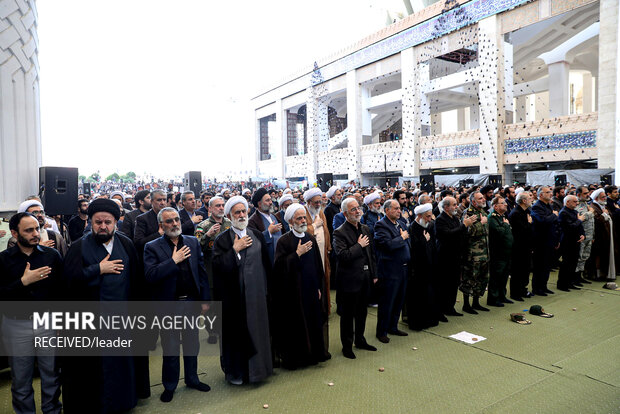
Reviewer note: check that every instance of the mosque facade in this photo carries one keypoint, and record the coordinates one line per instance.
(458, 90)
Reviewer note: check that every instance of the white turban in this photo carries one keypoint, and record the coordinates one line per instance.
(224, 190)
(313, 192)
(233, 201)
(519, 191)
(291, 210)
(416, 191)
(423, 208)
(27, 204)
(331, 191)
(597, 193)
(120, 193)
(285, 197)
(371, 197)
(246, 190)
(287, 191)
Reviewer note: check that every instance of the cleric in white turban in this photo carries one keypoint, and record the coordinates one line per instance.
(423, 208)
(233, 201)
(311, 193)
(284, 201)
(27, 204)
(332, 190)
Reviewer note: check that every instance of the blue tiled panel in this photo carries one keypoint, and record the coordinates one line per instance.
(438, 26)
(573, 140)
(450, 153)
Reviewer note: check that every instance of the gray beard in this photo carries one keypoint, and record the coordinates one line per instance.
(423, 223)
(173, 233)
(300, 228)
(239, 224)
(375, 210)
(313, 211)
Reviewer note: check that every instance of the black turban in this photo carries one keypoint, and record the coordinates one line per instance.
(258, 196)
(104, 205)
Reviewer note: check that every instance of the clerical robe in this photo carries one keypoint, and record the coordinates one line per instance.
(301, 316)
(317, 227)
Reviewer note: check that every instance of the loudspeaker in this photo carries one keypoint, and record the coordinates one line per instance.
(560, 180)
(58, 189)
(466, 182)
(86, 189)
(606, 179)
(495, 181)
(325, 181)
(427, 183)
(193, 182)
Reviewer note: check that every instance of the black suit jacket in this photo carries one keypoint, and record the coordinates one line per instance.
(129, 223)
(450, 234)
(147, 229)
(352, 257)
(187, 225)
(572, 228)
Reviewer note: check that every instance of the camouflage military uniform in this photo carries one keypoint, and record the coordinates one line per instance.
(588, 226)
(475, 275)
(206, 243)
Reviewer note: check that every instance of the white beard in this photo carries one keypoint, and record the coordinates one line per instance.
(173, 233)
(313, 211)
(239, 224)
(375, 210)
(423, 223)
(300, 228)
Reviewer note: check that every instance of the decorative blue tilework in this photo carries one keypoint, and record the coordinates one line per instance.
(438, 26)
(573, 140)
(450, 153)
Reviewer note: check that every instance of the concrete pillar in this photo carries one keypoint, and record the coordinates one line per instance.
(559, 92)
(313, 130)
(607, 142)
(587, 93)
(521, 109)
(595, 87)
(474, 116)
(356, 94)
(436, 124)
(415, 110)
(492, 95)
(281, 138)
(541, 106)
(460, 119)
(20, 120)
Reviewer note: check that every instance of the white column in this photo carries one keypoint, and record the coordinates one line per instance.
(460, 119)
(587, 93)
(281, 138)
(20, 127)
(436, 123)
(355, 125)
(607, 141)
(474, 115)
(541, 106)
(558, 88)
(312, 128)
(521, 109)
(415, 110)
(492, 95)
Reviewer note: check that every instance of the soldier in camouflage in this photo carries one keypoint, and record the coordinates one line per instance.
(476, 264)
(585, 210)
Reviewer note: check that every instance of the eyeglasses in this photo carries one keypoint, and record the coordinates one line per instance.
(172, 220)
(38, 213)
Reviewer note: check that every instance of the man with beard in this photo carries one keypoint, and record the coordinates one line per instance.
(510, 196)
(103, 266)
(299, 297)
(188, 215)
(318, 228)
(500, 253)
(334, 195)
(573, 234)
(475, 276)
(226, 194)
(356, 271)
(264, 221)
(546, 240)
(49, 238)
(284, 201)
(373, 214)
(143, 204)
(147, 228)
(602, 247)
(521, 260)
(205, 197)
(78, 223)
(391, 244)
(487, 192)
(557, 201)
(463, 205)
(450, 235)
(29, 272)
(241, 273)
(401, 197)
(585, 247)
(173, 264)
(422, 306)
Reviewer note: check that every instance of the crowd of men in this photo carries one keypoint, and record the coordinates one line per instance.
(273, 256)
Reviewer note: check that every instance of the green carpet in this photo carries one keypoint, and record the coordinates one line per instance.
(566, 364)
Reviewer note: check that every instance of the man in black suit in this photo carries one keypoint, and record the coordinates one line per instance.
(391, 241)
(174, 266)
(356, 271)
(147, 228)
(143, 204)
(546, 240)
(573, 234)
(522, 247)
(450, 235)
(189, 218)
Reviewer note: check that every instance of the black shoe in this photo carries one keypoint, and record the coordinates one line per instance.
(506, 300)
(398, 333)
(587, 282)
(540, 293)
(201, 386)
(515, 298)
(348, 353)
(564, 289)
(492, 303)
(529, 295)
(166, 396)
(442, 318)
(549, 292)
(578, 283)
(470, 310)
(574, 287)
(366, 346)
(383, 339)
(453, 312)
